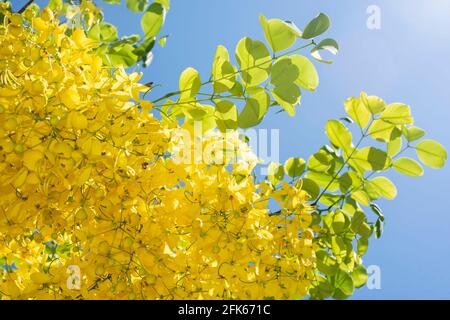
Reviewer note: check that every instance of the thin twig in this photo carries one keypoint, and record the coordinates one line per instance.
(25, 6)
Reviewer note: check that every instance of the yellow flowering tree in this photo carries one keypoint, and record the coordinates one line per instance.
(101, 192)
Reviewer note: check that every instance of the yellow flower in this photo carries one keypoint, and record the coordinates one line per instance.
(88, 179)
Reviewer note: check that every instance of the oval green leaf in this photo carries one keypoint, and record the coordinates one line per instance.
(408, 166)
(295, 167)
(254, 60)
(279, 34)
(383, 186)
(316, 26)
(308, 77)
(189, 83)
(357, 111)
(431, 153)
(339, 135)
(254, 110)
(152, 20)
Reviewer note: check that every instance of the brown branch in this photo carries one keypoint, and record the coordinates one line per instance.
(25, 6)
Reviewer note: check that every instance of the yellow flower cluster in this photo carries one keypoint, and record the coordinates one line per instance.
(93, 205)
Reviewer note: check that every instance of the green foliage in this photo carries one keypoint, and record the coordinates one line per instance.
(129, 50)
(261, 79)
(357, 173)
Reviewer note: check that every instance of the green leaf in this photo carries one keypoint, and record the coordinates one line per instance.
(383, 186)
(288, 96)
(329, 45)
(323, 179)
(320, 161)
(189, 83)
(357, 220)
(203, 113)
(361, 197)
(373, 103)
(365, 231)
(136, 5)
(362, 246)
(349, 179)
(350, 206)
(339, 247)
(339, 135)
(131, 39)
(226, 116)
(372, 192)
(165, 3)
(316, 27)
(340, 222)
(163, 40)
(379, 227)
(343, 285)
(112, 1)
(55, 5)
(275, 173)
(254, 110)
(144, 50)
(311, 188)
(326, 263)
(254, 60)
(408, 166)
(330, 199)
(383, 131)
(394, 147)
(322, 290)
(153, 19)
(103, 32)
(357, 111)
(122, 54)
(307, 78)
(431, 153)
(370, 158)
(283, 71)
(295, 167)
(223, 72)
(412, 133)
(397, 113)
(377, 210)
(359, 276)
(279, 34)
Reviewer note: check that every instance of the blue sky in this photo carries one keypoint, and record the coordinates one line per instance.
(407, 60)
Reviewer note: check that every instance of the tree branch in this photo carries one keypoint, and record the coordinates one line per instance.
(25, 6)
